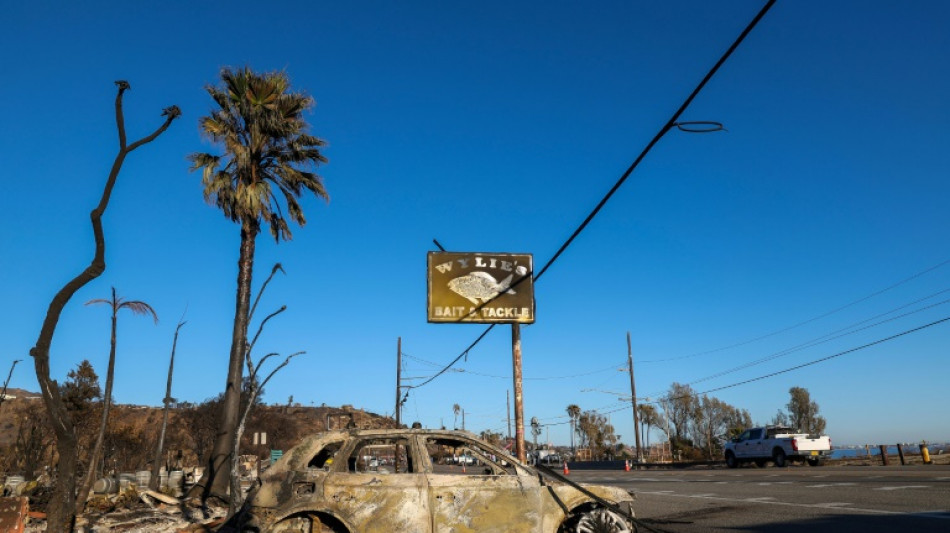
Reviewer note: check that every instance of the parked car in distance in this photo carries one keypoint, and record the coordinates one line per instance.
(326, 485)
(778, 444)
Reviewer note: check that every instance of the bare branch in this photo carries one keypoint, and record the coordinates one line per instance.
(260, 328)
(276, 267)
(282, 365)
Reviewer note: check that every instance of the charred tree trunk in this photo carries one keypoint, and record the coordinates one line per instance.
(153, 483)
(216, 481)
(61, 514)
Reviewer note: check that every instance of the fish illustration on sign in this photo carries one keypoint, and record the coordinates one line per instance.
(480, 287)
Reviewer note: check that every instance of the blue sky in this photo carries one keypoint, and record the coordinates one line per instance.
(497, 126)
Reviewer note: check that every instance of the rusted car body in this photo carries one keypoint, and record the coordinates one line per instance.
(422, 481)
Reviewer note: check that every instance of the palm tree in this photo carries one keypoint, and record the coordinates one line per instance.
(139, 308)
(268, 156)
(573, 411)
(456, 409)
(649, 417)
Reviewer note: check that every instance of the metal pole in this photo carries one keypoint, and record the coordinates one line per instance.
(398, 376)
(633, 398)
(398, 390)
(519, 394)
(508, 410)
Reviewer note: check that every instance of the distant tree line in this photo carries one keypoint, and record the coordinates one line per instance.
(697, 426)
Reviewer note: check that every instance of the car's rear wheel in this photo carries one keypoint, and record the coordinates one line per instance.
(760, 463)
(602, 521)
(778, 456)
(731, 460)
(814, 461)
(307, 523)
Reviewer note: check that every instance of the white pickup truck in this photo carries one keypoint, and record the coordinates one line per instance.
(777, 444)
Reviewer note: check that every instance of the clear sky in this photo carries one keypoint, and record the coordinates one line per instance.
(815, 225)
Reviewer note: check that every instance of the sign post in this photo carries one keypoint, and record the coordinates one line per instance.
(519, 395)
(486, 288)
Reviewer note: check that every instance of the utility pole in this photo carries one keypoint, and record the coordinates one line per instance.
(398, 377)
(3, 393)
(519, 393)
(508, 410)
(633, 398)
(398, 390)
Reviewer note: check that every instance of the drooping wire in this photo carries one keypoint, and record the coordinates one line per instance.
(670, 124)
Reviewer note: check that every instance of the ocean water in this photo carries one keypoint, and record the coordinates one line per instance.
(875, 451)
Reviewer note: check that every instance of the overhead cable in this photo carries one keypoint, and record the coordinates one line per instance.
(670, 124)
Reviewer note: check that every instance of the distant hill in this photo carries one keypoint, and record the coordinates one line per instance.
(20, 393)
(191, 428)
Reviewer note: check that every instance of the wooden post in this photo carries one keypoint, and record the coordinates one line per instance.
(519, 395)
(900, 453)
(883, 454)
(633, 400)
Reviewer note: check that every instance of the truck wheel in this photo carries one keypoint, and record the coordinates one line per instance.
(731, 461)
(778, 456)
(814, 462)
(760, 463)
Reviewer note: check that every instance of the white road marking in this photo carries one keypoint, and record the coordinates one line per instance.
(833, 504)
(823, 485)
(902, 487)
(783, 504)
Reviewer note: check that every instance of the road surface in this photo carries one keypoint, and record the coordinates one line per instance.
(796, 499)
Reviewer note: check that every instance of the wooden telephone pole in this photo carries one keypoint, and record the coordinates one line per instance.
(519, 395)
(633, 398)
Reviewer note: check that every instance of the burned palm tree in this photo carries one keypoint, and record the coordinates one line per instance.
(117, 304)
(268, 162)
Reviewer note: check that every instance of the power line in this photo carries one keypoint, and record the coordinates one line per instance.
(542, 378)
(809, 363)
(821, 340)
(810, 320)
(670, 124)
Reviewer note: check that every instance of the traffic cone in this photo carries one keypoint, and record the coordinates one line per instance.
(626, 466)
(566, 469)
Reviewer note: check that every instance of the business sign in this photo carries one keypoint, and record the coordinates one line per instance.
(480, 287)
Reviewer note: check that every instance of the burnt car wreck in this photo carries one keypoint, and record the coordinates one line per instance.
(421, 481)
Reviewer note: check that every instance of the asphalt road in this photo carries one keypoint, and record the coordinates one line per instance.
(798, 499)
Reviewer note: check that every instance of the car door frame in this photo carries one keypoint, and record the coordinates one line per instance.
(375, 502)
(487, 503)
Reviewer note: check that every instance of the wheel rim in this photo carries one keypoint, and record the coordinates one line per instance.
(602, 521)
